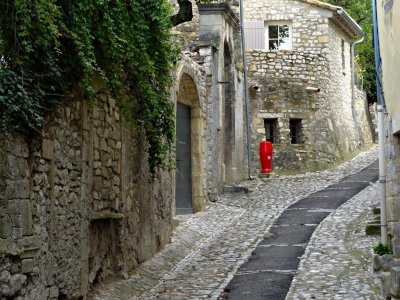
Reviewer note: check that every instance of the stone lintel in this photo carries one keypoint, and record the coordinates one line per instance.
(30, 252)
(270, 115)
(106, 215)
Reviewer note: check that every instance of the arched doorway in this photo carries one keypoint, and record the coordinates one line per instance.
(229, 117)
(189, 174)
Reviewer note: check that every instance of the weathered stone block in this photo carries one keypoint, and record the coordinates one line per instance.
(32, 252)
(21, 189)
(14, 285)
(4, 246)
(396, 246)
(11, 167)
(5, 226)
(27, 265)
(16, 233)
(395, 282)
(26, 217)
(14, 207)
(323, 39)
(53, 292)
(48, 149)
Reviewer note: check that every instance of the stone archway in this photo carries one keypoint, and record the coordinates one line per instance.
(190, 154)
(229, 117)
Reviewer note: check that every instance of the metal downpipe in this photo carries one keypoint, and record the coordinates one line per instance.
(381, 111)
(353, 88)
(382, 174)
(246, 92)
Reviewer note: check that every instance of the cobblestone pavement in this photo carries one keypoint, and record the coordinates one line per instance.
(207, 248)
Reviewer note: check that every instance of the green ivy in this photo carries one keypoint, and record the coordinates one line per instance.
(49, 47)
(382, 249)
(14, 101)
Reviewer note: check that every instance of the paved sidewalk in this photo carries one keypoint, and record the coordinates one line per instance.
(207, 248)
(337, 261)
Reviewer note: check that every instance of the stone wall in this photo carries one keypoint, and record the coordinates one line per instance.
(79, 204)
(388, 18)
(282, 78)
(392, 163)
(333, 125)
(341, 109)
(364, 118)
(18, 245)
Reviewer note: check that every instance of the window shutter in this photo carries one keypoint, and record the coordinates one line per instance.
(254, 33)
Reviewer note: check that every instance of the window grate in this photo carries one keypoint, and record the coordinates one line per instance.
(295, 131)
(271, 130)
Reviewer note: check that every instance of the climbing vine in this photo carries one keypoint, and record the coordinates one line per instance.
(49, 47)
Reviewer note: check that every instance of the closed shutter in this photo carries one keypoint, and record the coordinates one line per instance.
(254, 33)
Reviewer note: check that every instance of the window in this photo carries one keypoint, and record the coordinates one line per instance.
(279, 36)
(271, 132)
(295, 131)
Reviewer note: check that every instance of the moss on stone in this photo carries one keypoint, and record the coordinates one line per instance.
(373, 229)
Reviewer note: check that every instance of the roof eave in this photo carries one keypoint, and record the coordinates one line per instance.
(347, 24)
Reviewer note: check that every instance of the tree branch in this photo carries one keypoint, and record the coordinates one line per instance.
(184, 14)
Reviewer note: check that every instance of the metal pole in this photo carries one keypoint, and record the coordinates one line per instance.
(353, 88)
(246, 91)
(382, 174)
(382, 170)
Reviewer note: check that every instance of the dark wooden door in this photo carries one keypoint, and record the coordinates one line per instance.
(183, 160)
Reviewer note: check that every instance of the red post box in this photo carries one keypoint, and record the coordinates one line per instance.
(266, 156)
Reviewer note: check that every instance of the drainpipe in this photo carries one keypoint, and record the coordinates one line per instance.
(353, 87)
(246, 91)
(381, 111)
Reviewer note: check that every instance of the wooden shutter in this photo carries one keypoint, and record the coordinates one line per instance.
(254, 33)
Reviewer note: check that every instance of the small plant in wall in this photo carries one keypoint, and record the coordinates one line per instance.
(382, 249)
(214, 47)
(239, 68)
(382, 258)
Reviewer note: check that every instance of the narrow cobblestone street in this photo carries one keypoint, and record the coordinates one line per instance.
(208, 248)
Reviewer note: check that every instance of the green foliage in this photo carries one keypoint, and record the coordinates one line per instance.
(51, 46)
(361, 12)
(15, 101)
(382, 249)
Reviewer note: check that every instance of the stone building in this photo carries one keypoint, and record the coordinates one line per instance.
(208, 97)
(299, 61)
(77, 204)
(388, 24)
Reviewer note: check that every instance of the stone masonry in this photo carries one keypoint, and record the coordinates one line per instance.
(392, 159)
(333, 125)
(78, 204)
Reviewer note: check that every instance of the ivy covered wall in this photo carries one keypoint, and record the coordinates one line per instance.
(49, 48)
